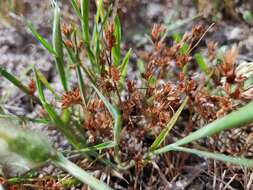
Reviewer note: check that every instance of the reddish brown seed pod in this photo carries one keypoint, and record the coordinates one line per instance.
(32, 87)
(114, 72)
(212, 48)
(68, 43)
(67, 30)
(227, 68)
(71, 98)
(182, 60)
(156, 31)
(197, 31)
(109, 36)
(131, 86)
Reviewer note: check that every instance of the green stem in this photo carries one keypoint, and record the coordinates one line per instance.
(216, 156)
(79, 173)
(18, 84)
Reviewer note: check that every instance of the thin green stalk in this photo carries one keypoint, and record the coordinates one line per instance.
(117, 122)
(25, 118)
(85, 21)
(75, 60)
(116, 51)
(81, 84)
(18, 84)
(101, 146)
(75, 6)
(53, 115)
(79, 173)
(161, 137)
(47, 85)
(58, 48)
(216, 156)
(123, 68)
(42, 40)
(85, 31)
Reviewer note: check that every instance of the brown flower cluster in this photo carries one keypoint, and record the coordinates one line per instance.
(109, 36)
(71, 98)
(98, 120)
(156, 31)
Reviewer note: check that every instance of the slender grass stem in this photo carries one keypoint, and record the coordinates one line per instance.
(79, 173)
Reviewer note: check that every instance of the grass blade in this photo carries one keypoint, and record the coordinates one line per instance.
(116, 49)
(117, 121)
(39, 87)
(14, 80)
(42, 40)
(80, 174)
(96, 40)
(81, 83)
(86, 33)
(123, 69)
(104, 145)
(101, 146)
(43, 79)
(18, 84)
(100, 10)
(76, 61)
(201, 62)
(161, 137)
(54, 117)
(85, 21)
(30, 146)
(25, 118)
(233, 120)
(75, 6)
(58, 47)
(216, 156)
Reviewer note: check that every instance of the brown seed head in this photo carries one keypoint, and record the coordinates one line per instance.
(212, 46)
(197, 31)
(131, 86)
(156, 31)
(182, 60)
(67, 29)
(114, 72)
(109, 36)
(32, 87)
(227, 67)
(68, 43)
(80, 45)
(71, 98)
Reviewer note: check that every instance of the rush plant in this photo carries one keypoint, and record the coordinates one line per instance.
(97, 112)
